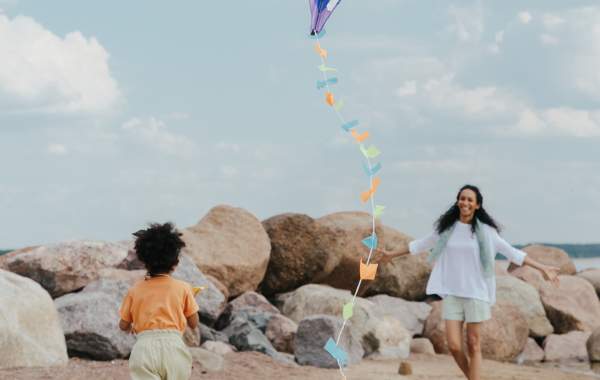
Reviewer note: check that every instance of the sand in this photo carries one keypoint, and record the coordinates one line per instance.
(255, 366)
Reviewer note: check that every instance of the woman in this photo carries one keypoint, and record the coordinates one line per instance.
(463, 247)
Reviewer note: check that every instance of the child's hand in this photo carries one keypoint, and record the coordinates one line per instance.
(125, 326)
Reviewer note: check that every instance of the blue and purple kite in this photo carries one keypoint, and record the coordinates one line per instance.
(320, 11)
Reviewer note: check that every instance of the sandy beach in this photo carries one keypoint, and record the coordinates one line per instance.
(255, 366)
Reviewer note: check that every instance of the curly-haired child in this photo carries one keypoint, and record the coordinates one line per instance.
(158, 308)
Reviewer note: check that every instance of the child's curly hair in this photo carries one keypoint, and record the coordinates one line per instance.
(158, 247)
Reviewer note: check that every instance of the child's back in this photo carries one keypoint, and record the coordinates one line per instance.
(158, 308)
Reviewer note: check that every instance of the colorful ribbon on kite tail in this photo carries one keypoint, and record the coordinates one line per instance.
(367, 270)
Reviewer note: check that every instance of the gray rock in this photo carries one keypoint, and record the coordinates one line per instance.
(30, 330)
(65, 267)
(314, 332)
(208, 334)
(412, 314)
(90, 321)
(251, 306)
(244, 336)
(281, 332)
(367, 319)
(210, 300)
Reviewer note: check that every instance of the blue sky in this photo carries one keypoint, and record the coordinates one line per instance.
(114, 114)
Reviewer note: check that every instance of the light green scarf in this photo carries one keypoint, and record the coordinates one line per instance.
(484, 248)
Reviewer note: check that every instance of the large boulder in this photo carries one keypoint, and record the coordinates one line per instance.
(30, 329)
(90, 320)
(566, 347)
(593, 346)
(503, 337)
(412, 314)
(65, 267)
(549, 256)
(210, 300)
(367, 318)
(230, 244)
(299, 253)
(347, 230)
(565, 312)
(314, 332)
(406, 276)
(526, 298)
(593, 277)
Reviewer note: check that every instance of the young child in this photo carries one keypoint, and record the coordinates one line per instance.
(157, 309)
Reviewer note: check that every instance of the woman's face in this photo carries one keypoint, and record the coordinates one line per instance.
(467, 203)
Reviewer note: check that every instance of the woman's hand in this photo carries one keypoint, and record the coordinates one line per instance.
(550, 274)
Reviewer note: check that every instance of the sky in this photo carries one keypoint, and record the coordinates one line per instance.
(116, 114)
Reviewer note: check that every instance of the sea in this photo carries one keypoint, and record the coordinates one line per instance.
(580, 264)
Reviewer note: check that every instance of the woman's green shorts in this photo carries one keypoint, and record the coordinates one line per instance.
(470, 310)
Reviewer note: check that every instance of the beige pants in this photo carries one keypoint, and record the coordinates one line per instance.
(160, 355)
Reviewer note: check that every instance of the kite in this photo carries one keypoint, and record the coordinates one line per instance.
(320, 11)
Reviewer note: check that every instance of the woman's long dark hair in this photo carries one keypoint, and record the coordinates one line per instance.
(447, 219)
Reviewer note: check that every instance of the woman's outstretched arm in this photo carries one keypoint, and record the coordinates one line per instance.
(382, 256)
(519, 257)
(550, 273)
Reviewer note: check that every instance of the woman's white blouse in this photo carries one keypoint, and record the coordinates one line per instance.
(458, 271)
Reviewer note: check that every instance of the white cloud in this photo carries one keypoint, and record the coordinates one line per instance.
(468, 24)
(228, 147)
(179, 116)
(433, 165)
(44, 72)
(154, 133)
(559, 121)
(524, 17)
(529, 122)
(499, 38)
(579, 35)
(548, 39)
(228, 172)
(573, 122)
(552, 20)
(57, 149)
(407, 89)
(477, 102)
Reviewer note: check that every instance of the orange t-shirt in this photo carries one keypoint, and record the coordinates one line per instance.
(158, 303)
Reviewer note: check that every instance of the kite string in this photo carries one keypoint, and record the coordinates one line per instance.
(372, 197)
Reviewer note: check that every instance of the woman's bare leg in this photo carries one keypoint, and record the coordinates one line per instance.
(474, 348)
(454, 334)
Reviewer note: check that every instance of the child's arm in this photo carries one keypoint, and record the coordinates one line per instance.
(124, 325)
(193, 320)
